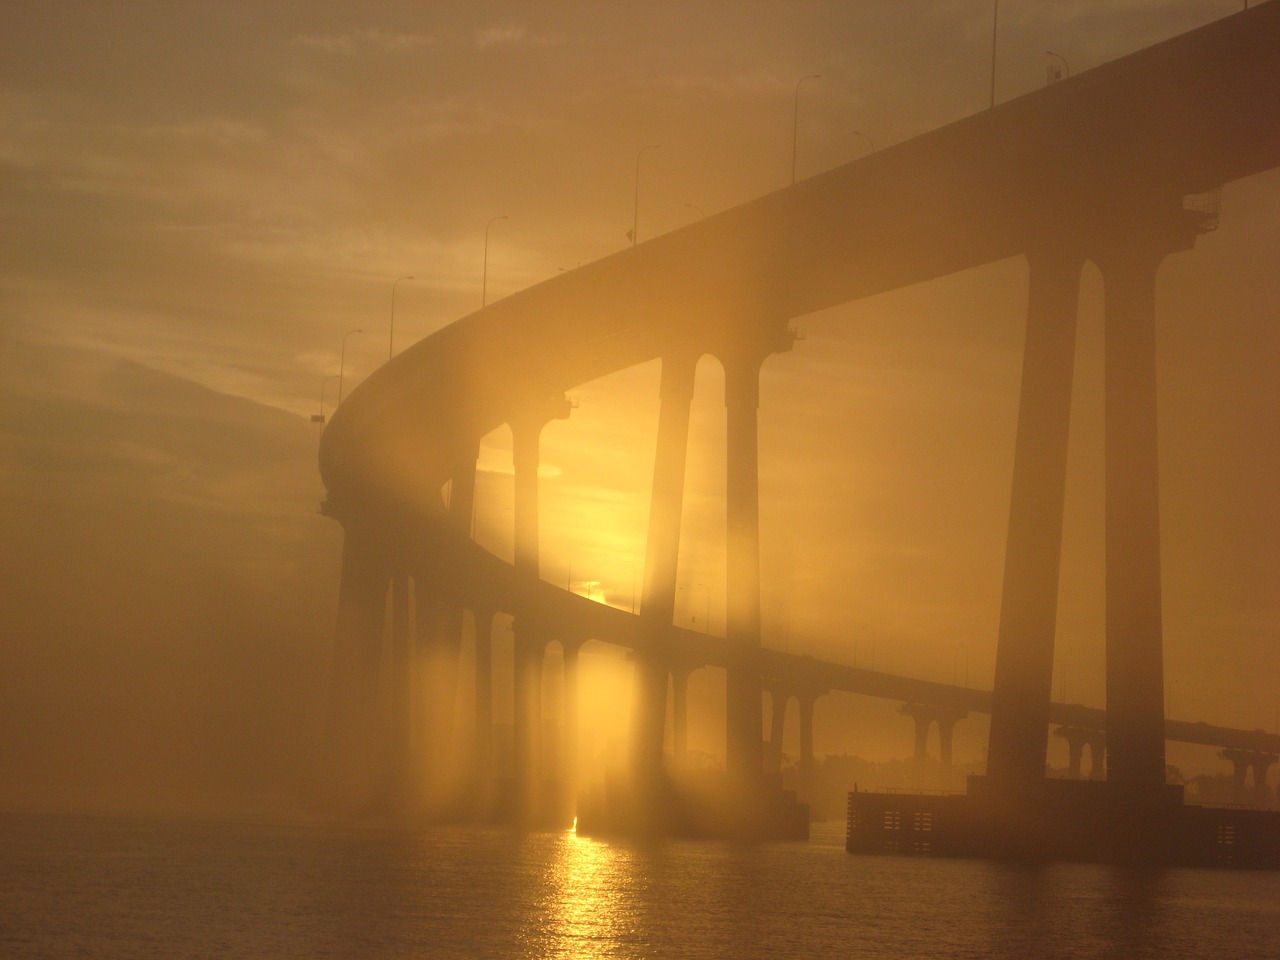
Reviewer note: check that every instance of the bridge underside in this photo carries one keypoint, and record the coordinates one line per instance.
(1095, 168)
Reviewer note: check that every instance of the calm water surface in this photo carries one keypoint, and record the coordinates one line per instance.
(86, 887)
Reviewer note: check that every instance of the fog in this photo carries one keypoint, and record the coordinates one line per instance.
(202, 203)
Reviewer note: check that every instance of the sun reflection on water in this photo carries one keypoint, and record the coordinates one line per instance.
(590, 908)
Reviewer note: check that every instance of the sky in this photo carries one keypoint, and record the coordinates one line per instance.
(202, 202)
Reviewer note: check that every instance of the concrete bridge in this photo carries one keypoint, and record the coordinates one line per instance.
(1094, 168)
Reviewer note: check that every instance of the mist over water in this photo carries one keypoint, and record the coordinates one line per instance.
(129, 888)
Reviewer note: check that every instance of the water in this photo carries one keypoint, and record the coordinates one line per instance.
(113, 888)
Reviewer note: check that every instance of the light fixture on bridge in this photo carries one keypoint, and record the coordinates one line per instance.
(391, 339)
(342, 365)
(634, 232)
(795, 121)
(1055, 73)
(319, 417)
(484, 275)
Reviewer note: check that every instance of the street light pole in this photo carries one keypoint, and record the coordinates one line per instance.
(1065, 66)
(391, 340)
(995, 21)
(635, 209)
(319, 418)
(484, 276)
(342, 366)
(795, 121)
(867, 137)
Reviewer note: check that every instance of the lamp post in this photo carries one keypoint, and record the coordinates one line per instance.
(635, 208)
(319, 417)
(391, 340)
(867, 137)
(342, 365)
(1066, 67)
(995, 22)
(795, 121)
(484, 276)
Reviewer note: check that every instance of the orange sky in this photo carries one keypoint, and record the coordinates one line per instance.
(201, 200)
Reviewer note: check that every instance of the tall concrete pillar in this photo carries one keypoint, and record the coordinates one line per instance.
(483, 747)
(743, 748)
(1097, 756)
(778, 697)
(1075, 750)
(923, 722)
(1020, 698)
(530, 639)
(1259, 768)
(435, 679)
(569, 777)
(405, 782)
(680, 712)
(1135, 658)
(662, 549)
(1239, 771)
(530, 649)
(946, 737)
(805, 701)
(357, 754)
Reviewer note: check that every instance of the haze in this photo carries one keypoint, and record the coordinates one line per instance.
(202, 202)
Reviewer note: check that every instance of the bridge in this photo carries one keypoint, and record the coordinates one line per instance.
(1093, 168)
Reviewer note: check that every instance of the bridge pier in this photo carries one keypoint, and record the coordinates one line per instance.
(662, 550)
(806, 701)
(358, 758)
(483, 771)
(1018, 743)
(680, 712)
(530, 638)
(569, 773)
(1244, 762)
(778, 697)
(743, 754)
(1129, 258)
(925, 716)
(406, 773)
(1077, 739)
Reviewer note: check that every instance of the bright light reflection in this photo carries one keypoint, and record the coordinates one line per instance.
(590, 908)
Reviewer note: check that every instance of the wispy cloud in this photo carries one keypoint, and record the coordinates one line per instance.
(369, 40)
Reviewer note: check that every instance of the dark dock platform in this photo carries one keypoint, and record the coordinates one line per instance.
(1064, 820)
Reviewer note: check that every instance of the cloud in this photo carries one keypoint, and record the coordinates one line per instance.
(370, 40)
(510, 35)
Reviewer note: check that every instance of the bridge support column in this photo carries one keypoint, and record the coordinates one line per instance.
(406, 768)
(1242, 763)
(357, 756)
(947, 721)
(658, 597)
(743, 753)
(778, 697)
(1077, 739)
(483, 758)
(569, 774)
(805, 702)
(923, 718)
(1020, 698)
(530, 650)
(680, 712)
(1075, 748)
(1129, 261)
(1097, 755)
(530, 641)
